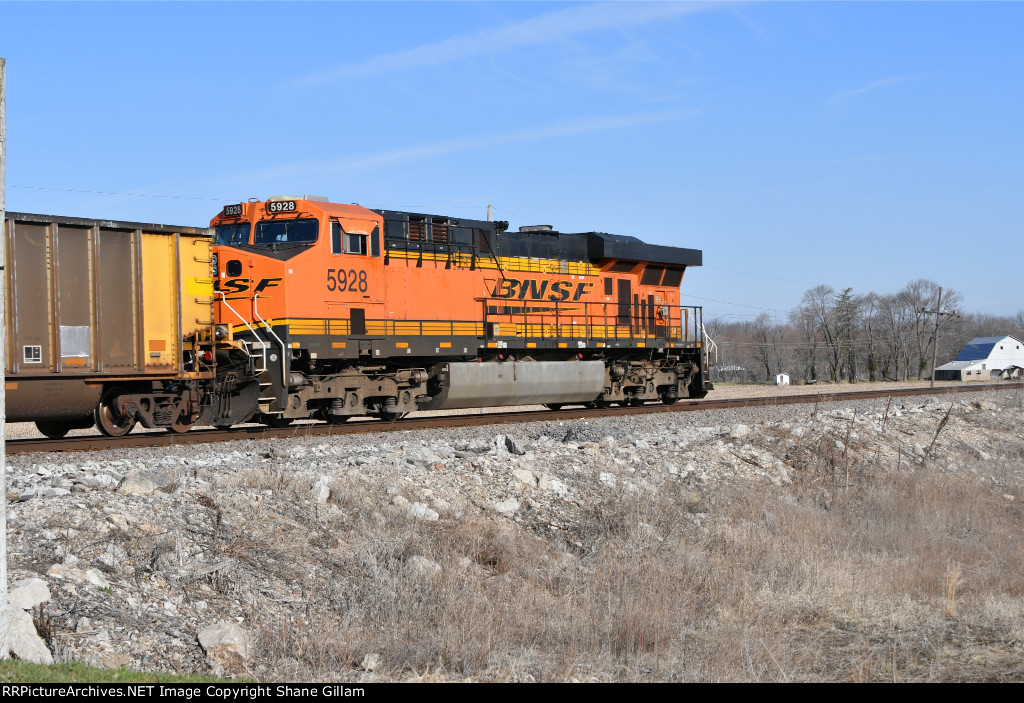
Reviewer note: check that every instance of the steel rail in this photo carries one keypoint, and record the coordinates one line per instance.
(198, 436)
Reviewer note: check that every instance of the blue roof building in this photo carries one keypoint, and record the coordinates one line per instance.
(984, 359)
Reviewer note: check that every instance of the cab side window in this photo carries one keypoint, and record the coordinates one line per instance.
(343, 242)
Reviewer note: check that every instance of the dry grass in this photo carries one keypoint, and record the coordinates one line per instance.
(858, 571)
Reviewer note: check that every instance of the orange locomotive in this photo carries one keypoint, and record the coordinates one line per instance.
(337, 310)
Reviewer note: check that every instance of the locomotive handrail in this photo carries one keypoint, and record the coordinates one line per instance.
(542, 319)
(710, 347)
(256, 314)
(263, 349)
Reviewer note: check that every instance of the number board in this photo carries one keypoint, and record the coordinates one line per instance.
(281, 206)
(232, 210)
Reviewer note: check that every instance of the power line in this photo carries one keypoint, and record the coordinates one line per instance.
(740, 305)
(127, 195)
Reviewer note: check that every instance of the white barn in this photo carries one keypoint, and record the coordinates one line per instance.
(985, 358)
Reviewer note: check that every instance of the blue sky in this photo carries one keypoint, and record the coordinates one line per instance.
(853, 144)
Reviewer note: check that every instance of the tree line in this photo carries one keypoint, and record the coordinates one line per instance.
(838, 335)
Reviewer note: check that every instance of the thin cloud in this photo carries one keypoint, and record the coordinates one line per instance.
(840, 97)
(546, 28)
(443, 148)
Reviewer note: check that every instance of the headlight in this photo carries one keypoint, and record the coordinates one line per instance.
(214, 264)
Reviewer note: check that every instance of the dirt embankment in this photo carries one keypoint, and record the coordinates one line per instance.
(855, 540)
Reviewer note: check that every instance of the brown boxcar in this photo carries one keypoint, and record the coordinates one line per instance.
(104, 321)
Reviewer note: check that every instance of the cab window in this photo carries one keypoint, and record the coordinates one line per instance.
(343, 242)
(231, 235)
(286, 232)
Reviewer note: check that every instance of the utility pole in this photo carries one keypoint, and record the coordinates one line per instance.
(5, 622)
(937, 312)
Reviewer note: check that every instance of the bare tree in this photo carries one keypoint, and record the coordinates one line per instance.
(820, 301)
(895, 322)
(802, 320)
(869, 306)
(921, 295)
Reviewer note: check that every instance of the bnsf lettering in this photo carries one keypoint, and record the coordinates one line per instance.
(233, 286)
(532, 289)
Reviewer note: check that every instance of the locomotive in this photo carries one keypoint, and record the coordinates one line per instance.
(314, 309)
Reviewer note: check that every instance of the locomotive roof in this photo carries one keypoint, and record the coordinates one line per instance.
(593, 246)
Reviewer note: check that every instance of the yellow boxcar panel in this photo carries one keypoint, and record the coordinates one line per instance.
(160, 300)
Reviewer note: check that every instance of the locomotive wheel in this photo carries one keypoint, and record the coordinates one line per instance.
(667, 399)
(53, 430)
(601, 403)
(336, 419)
(636, 402)
(390, 416)
(111, 422)
(553, 406)
(275, 421)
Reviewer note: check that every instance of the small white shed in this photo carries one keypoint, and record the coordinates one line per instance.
(782, 379)
(984, 359)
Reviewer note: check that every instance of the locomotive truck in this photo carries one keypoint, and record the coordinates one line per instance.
(310, 309)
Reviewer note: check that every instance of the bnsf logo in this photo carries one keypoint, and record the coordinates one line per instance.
(532, 289)
(240, 285)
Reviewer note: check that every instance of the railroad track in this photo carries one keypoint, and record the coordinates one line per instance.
(156, 439)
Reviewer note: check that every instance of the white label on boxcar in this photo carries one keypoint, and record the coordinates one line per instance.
(75, 341)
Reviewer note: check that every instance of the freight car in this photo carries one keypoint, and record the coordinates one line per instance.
(108, 323)
(297, 307)
(344, 311)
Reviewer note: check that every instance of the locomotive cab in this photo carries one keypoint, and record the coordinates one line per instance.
(298, 279)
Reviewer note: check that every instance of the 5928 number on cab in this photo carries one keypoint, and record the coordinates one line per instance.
(340, 280)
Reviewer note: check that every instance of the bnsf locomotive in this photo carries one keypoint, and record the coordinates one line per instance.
(300, 308)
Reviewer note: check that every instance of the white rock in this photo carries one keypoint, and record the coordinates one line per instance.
(113, 556)
(97, 579)
(226, 645)
(525, 476)
(370, 662)
(553, 485)
(739, 431)
(399, 501)
(322, 490)
(422, 566)
(69, 573)
(507, 507)
(607, 479)
(22, 639)
(420, 511)
(145, 483)
(28, 593)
